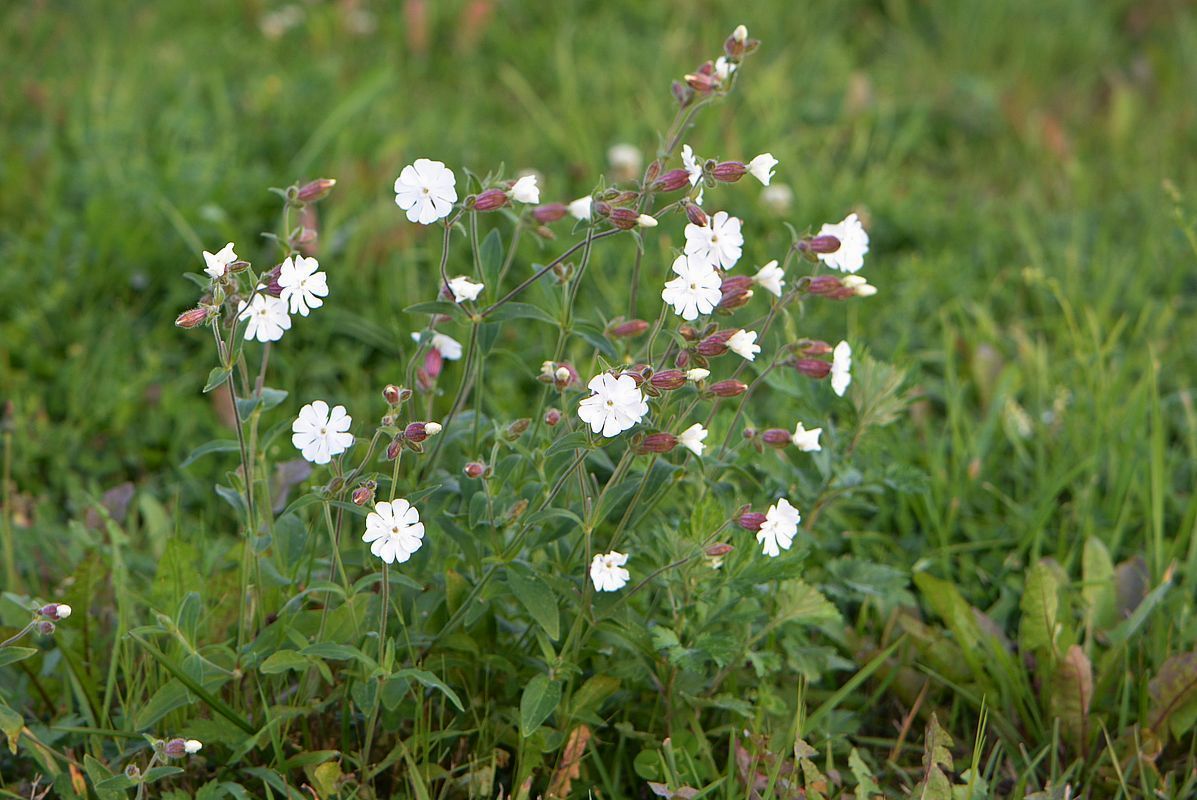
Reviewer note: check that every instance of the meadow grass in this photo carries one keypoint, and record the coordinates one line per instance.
(1026, 171)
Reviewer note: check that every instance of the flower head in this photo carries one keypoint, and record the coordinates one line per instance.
(464, 289)
(762, 166)
(303, 286)
(319, 434)
(771, 278)
(807, 440)
(718, 244)
(265, 317)
(580, 208)
(692, 438)
(724, 69)
(697, 374)
(743, 344)
(525, 190)
(841, 368)
(696, 289)
(854, 243)
(690, 162)
(426, 190)
(192, 746)
(779, 528)
(394, 531)
(448, 347)
(608, 573)
(218, 262)
(615, 405)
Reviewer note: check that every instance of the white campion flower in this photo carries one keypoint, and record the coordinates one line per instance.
(426, 190)
(615, 405)
(695, 290)
(62, 611)
(807, 440)
(265, 317)
(690, 162)
(303, 286)
(465, 289)
(718, 243)
(192, 746)
(320, 433)
(723, 69)
(841, 368)
(697, 374)
(854, 243)
(525, 190)
(761, 167)
(771, 278)
(580, 208)
(394, 531)
(743, 343)
(608, 573)
(692, 438)
(449, 348)
(779, 528)
(860, 286)
(218, 262)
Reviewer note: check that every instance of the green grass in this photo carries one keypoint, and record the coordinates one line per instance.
(1037, 284)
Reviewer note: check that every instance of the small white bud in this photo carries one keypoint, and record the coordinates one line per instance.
(697, 374)
(647, 221)
(64, 611)
(562, 375)
(740, 34)
(432, 428)
(192, 746)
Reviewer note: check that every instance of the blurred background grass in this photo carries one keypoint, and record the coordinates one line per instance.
(1009, 158)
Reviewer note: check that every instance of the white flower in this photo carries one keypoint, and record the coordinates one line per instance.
(426, 190)
(697, 374)
(690, 162)
(778, 197)
(779, 528)
(723, 69)
(265, 317)
(608, 573)
(854, 243)
(625, 159)
(615, 405)
(319, 434)
(841, 368)
(692, 438)
(647, 221)
(771, 278)
(218, 262)
(807, 440)
(525, 190)
(62, 611)
(743, 344)
(698, 197)
(580, 208)
(859, 285)
(561, 374)
(695, 290)
(447, 346)
(394, 531)
(192, 746)
(303, 287)
(465, 289)
(762, 166)
(740, 34)
(718, 243)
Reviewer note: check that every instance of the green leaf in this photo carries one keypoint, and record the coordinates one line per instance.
(282, 661)
(272, 397)
(330, 651)
(1040, 607)
(11, 655)
(214, 446)
(937, 757)
(592, 694)
(511, 310)
(426, 678)
(1071, 694)
(216, 378)
(99, 773)
(439, 307)
(491, 255)
(866, 785)
(158, 773)
(535, 595)
(1098, 590)
(540, 699)
(1174, 695)
(11, 724)
(115, 783)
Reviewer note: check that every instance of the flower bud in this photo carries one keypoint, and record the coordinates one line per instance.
(45, 627)
(55, 611)
(624, 218)
(193, 317)
(270, 284)
(434, 362)
(858, 286)
(552, 417)
(549, 212)
(516, 429)
(718, 550)
(703, 81)
(175, 748)
(394, 395)
(823, 284)
(696, 215)
(600, 208)
(776, 437)
(729, 171)
(364, 493)
(728, 388)
(632, 327)
(474, 469)
(624, 198)
(419, 431)
(698, 374)
(490, 200)
(751, 520)
(315, 190)
(647, 221)
(132, 772)
(672, 180)
(668, 380)
(815, 347)
(395, 448)
(306, 236)
(656, 443)
(518, 509)
(812, 368)
(682, 93)
(652, 173)
(820, 244)
(193, 746)
(737, 291)
(716, 343)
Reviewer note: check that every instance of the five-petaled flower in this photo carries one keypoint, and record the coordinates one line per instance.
(807, 440)
(319, 433)
(449, 348)
(771, 278)
(303, 286)
(693, 168)
(464, 289)
(607, 571)
(692, 438)
(217, 264)
(762, 166)
(580, 208)
(854, 243)
(743, 344)
(265, 317)
(394, 531)
(779, 528)
(615, 405)
(696, 289)
(719, 243)
(426, 190)
(525, 190)
(841, 368)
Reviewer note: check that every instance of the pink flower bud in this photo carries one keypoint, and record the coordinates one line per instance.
(668, 380)
(651, 174)
(433, 363)
(823, 284)
(625, 198)
(751, 520)
(716, 343)
(696, 215)
(729, 388)
(737, 291)
(393, 394)
(718, 550)
(656, 443)
(270, 279)
(813, 368)
(816, 347)
(490, 200)
(315, 190)
(600, 208)
(682, 93)
(364, 493)
(175, 748)
(475, 469)
(419, 431)
(672, 180)
(624, 218)
(193, 317)
(45, 627)
(549, 212)
(820, 244)
(516, 429)
(703, 80)
(729, 171)
(552, 417)
(776, 437)
(632, 327)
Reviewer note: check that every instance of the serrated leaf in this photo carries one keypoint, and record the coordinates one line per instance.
(866, 785)
(1040, 606)
(937, 757)
(1072, 692)
(535, 595)
(539, 700)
